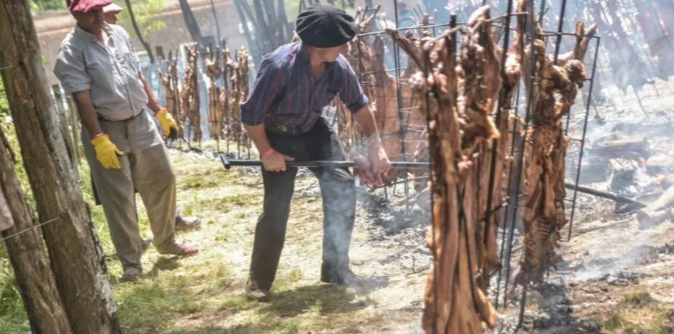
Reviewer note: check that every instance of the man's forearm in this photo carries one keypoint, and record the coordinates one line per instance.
(152, 102)
(365, 118)
(259, 137)
(85, 107)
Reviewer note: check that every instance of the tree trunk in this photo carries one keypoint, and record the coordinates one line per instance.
(217, 23)
(33, 276)
(271, 21)
(254, 45)
(146, 45)
(262, 27)
(77, 264)
(285, 29)
(190, 21)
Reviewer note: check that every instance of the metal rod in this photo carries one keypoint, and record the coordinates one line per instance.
(499, 110)
(560, 29)
(382, 32)
(320, 163)
(399, 96)
(523, 302)
(428, 69)
(507, 239)
(582, 143)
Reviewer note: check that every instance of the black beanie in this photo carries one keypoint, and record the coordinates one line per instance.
(325, 26)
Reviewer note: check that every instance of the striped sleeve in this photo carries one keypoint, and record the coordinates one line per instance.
(267, 85)
(350, 91)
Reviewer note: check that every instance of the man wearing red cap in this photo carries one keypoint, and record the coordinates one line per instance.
(110, 13)
(283, 118)
(182, 223)
(98, 65)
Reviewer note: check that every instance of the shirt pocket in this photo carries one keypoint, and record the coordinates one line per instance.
(128, 63)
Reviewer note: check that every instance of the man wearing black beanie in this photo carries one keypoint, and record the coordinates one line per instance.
(283, 118)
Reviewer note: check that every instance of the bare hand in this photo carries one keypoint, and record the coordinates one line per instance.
(276, 162)
(378, 157)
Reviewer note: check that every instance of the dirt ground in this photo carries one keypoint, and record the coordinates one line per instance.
(615, 278)
(607, 260)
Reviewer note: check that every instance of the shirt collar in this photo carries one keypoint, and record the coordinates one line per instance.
(303, 55)
(83, 34)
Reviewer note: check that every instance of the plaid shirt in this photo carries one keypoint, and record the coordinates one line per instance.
(286, 98)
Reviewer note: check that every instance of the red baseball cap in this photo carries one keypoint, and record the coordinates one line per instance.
(84, 6)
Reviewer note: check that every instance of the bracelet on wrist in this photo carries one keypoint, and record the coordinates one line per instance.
(267, 153)
(98, 135)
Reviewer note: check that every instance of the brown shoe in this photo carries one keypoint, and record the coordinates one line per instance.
(184, 224)
(180, 250)
(254, 292)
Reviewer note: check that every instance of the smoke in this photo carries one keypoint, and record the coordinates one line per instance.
(618, 254)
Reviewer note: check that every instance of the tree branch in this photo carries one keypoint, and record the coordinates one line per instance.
(138, 33)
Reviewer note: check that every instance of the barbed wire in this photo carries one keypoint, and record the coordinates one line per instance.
(8, 67)
(29, 229)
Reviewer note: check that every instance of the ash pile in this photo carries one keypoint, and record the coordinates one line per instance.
(629, 155)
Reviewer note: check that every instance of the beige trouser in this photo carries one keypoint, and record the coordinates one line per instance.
(145, 165)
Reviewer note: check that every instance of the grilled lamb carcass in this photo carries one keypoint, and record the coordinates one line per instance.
(455, 299)
(544, 207)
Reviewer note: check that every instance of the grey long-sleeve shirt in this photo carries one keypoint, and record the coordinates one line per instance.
(111, 74)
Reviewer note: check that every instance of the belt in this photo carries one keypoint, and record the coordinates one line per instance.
(102, 118)
(275, 126)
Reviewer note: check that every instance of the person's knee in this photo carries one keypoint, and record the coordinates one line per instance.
(273, 223)
(165, 174)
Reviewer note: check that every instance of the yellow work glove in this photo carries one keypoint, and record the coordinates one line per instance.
(167, 122)
(106, 152)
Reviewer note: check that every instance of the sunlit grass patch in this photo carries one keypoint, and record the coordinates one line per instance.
(151, 307)
(205, 294)
(13, 317)
(639, 313)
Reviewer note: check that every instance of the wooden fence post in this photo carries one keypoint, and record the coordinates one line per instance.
(63, 116)
(75, 126)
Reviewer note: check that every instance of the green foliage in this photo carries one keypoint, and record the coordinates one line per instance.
(4, 105)
(13, 317)
(43, 5)
(639, 313)
(145, 12)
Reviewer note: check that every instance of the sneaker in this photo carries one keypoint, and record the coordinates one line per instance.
(254, 292)
(183, 224)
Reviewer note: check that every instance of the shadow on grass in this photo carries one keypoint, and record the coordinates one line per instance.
(163, 264)
(148, 307)
(250, 328)
(323, 299)
(278, 316)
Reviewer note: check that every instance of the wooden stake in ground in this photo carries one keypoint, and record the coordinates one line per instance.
(33, 276)
(77, 264)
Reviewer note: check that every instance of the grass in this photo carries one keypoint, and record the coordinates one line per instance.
(639, 313)
(13, 317)
(205, 293)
